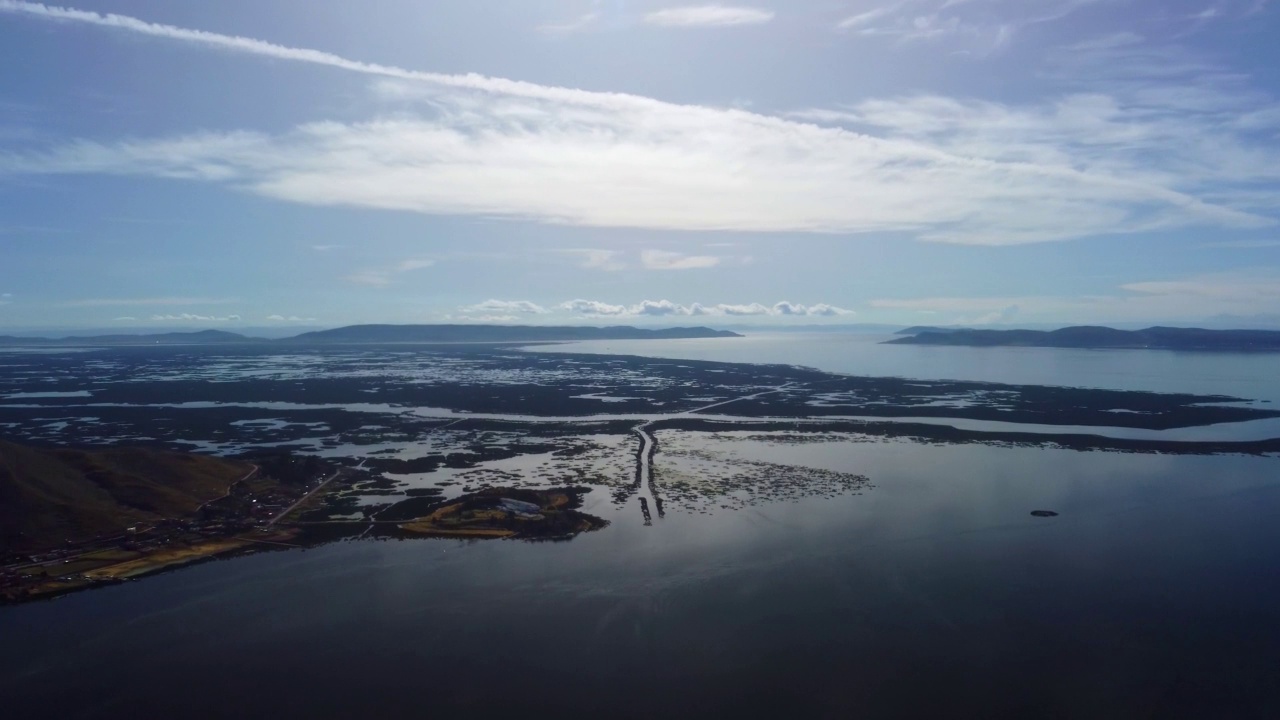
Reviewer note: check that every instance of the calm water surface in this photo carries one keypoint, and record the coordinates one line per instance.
(1255, 376)
(932, 593)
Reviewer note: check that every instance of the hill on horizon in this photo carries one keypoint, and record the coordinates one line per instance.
(195, 337)
(357, 334)
(498, 333)
(1099, 337)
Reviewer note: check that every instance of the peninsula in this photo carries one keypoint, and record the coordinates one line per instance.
(1091, 337)
(72, 519)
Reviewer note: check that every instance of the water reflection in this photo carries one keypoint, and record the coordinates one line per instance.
(934, 592)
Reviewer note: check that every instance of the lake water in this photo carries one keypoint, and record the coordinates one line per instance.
(930, 593)
(1255, 376)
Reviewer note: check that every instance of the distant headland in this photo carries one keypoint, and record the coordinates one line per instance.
(382, 334)
(1091, 337)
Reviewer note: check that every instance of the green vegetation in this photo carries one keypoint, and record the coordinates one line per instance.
(506, 513)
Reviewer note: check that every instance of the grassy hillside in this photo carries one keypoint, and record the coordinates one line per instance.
(50, 496)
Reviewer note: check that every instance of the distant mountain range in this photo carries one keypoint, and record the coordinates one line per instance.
(917, 329)
(374, 334)
(496, 333)
(1089, 337)
(203, 337)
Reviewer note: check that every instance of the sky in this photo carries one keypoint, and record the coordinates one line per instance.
(300, 163)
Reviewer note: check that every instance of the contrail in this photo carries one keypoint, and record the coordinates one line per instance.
(688, 114)
(240, 44)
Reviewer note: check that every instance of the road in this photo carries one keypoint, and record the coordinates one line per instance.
(304, 498)
(648, 446)
(644, 470)
(762, 393)
(230, 487)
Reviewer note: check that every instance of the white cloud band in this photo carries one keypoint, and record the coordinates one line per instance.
(664, 308)
(942, 169)
(708, 16)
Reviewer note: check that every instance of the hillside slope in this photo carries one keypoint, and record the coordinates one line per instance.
(50, 496)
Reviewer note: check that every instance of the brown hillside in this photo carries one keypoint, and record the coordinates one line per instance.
(50, 496)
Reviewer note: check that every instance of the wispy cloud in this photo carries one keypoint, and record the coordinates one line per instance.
(975, 310)
(408, 265)
(239, 44)
(829, 116)
(385, 276)
(665, 260)
(289, 318)
(19, 230)
(983, 26)
(613, 260)
(708, 16)
(1240, 293)
(943, 169)
(189, 317)
(372, 278)
(863, 19)
(482, 318)
(1209, 13)
(1248, 286)
(595, 258)
(1244, 244)
(578, 24)
(664, 308)
(1214, 12)
(506, 307)
(713, 169)
(113, 302)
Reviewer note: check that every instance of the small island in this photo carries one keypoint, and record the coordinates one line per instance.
(508, 513)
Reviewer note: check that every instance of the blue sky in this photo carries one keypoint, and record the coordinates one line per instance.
(249, 163)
